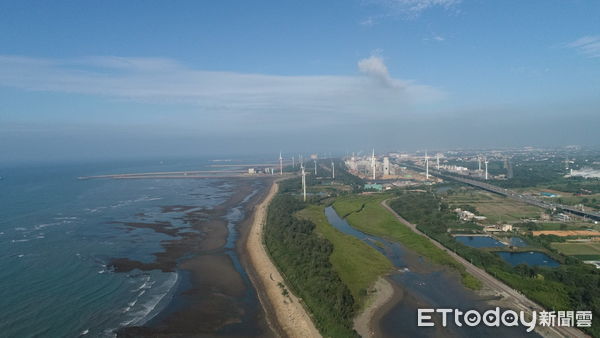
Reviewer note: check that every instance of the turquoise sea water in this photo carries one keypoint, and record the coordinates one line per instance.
(57, 234)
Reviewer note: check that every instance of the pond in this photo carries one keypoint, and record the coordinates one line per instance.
(531, 258)
(479, 241)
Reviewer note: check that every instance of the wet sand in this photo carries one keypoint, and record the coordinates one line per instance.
(385, 296)
(216, 297)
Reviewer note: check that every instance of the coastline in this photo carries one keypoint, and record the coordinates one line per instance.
(286, 310)
(385, 296)
(207, 302)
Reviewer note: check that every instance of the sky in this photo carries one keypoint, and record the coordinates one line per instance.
(137, 79)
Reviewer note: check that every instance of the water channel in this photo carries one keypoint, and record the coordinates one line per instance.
(424, 285)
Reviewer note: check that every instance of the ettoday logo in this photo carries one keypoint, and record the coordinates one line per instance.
(496, 317)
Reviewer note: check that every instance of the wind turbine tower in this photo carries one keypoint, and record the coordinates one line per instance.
(373, 163)
(486, 168)
(332, 170)
(293, 162)
(280, 164)
(303, 183)
(479, 163)
(315, 168)
(426, 166)
(437, 159)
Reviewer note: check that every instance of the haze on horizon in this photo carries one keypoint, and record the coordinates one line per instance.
(114, 79)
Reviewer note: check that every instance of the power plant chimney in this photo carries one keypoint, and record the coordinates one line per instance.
(373, 163)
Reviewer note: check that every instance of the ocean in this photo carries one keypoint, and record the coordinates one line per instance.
(58, 233)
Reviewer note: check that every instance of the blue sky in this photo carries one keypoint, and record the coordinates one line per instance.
(86, 79)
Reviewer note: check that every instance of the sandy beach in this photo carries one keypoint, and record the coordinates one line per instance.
(384, 296)
(291, 317)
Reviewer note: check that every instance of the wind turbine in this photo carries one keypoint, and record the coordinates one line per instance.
(437, 158)
(332, 170)
(486, 168)
(315, 168)
(303, 183)
(479, 163)
(280, 164)
(426, 166)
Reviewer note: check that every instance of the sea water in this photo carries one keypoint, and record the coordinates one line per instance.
(58, 233)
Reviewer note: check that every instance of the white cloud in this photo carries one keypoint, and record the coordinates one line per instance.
(376, 68)
(370, 21)
(222, 94)
(587, 45)
(413, 8)
(435, 38)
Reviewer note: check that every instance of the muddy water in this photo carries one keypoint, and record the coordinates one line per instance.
(424, 285)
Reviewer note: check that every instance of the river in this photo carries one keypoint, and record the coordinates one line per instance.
(424, 285)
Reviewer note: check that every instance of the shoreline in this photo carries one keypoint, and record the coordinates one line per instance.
(213, 297)
(290, 316)
(386, 296)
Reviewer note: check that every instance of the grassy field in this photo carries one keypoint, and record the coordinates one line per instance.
(365, 213)
(496, 208)
(578, 249)
(357, 264)
(570, 225)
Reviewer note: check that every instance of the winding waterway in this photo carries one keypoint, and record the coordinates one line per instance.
(424, 285)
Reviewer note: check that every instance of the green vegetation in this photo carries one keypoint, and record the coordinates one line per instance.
(304, 259)
(549, 173)
(576, 185)
(592, 201)
(571, 286)
(366, 214)
(357, 264)
(578, 248)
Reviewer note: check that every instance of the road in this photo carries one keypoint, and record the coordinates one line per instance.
(513, 195)
(523, 198)
(519, 301)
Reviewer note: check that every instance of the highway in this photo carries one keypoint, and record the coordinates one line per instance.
(519, 301)
(516, 196)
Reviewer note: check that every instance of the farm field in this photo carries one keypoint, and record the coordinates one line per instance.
(585, 250)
